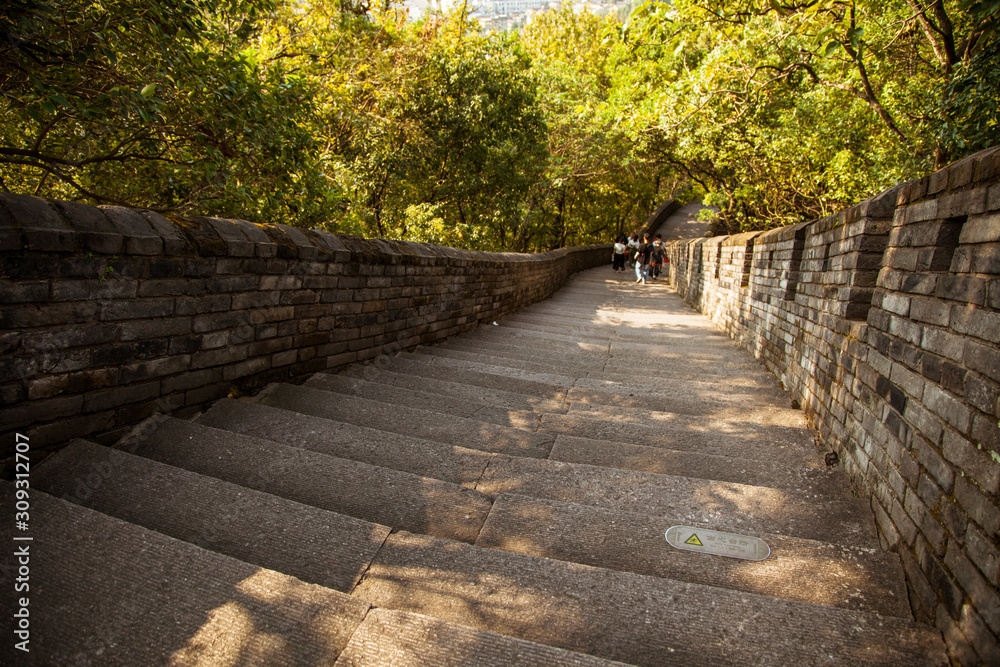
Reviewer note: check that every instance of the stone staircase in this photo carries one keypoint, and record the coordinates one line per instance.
(499, 499)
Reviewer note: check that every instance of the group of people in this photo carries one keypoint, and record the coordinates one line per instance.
(645, 257)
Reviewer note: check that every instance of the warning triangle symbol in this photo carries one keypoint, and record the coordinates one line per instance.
(694, 541)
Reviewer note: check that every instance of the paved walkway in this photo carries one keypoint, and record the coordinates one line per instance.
(684, 223)
(501, 498)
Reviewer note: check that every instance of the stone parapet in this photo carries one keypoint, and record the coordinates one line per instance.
(109, 314)
(883, 321)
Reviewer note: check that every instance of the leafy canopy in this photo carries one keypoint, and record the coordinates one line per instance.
(346, 115)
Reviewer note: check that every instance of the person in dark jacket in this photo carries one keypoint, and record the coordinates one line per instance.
(642, 257)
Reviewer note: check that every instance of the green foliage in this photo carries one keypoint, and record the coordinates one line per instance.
(969, 117)
(89, 112)
(345, 115)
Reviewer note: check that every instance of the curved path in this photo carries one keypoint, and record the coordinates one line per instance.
(684, 223)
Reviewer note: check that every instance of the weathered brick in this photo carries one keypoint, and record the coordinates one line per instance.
(158, 328)
(145, 370)
(112, 398)
(263, 315)
(983, 358)
(926, 210)
(982, 228)
(231, 284)
(246, 368)
(934, 464)
(930, 310)
(140, 308)
(984, 597)
(984, 553)
(985, 643)
(222, 320)
(139, 236)
(955, 520)
(95, 230)
(30, 316)
(972, 460)
(86, 335)
(54, 432)
(260, 299)
(943, 343)
(945, 588)
(979, 508)
(24, 292)
(986, 433)
(213, 303)
(967, 289)
(191, 380)
(170, 287)
(31, 412)
(931, 530)
(960, 651)
(43, 228)
(981, 394)
(218, 357)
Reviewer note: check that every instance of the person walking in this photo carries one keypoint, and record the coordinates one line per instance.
(656, 257)
(618, 254)
(642, 256)
(633, 246)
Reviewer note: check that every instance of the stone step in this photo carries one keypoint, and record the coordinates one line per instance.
(424, 458)
(687, 397)
(594, 364)
(778, 474)
(733, 507)
(482, 395)
(797, 453)
(726, 506)
(504, 410)
(593, 539)
(716, 359)
(741, 452)
(416, 422)
(401, 639)
(850, 577)
(552, 387)
(384, 496)
(314, 545)
(526, 368)
(637, 619)
(683, 398)
(105, 591)
(748, 428)
(532, 339)
(391, 395)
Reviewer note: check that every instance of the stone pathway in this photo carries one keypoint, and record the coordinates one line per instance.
(684, 223)
(499, 499)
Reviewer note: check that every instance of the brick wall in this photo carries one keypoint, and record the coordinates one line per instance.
(883, 321)
(110, 314)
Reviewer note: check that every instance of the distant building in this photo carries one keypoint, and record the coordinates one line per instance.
(516, 6)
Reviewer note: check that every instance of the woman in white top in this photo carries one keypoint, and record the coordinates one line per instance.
(618, 254)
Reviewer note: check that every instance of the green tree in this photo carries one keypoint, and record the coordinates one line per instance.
(783, 112)
(151, 103)
(601, 179)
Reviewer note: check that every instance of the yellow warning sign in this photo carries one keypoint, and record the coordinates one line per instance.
(694, 541)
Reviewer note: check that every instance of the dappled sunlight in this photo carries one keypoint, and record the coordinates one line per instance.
(229, 638)
(721, 497)
(272, 619)
(803, 572)
(476, 587)
(796, 569)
